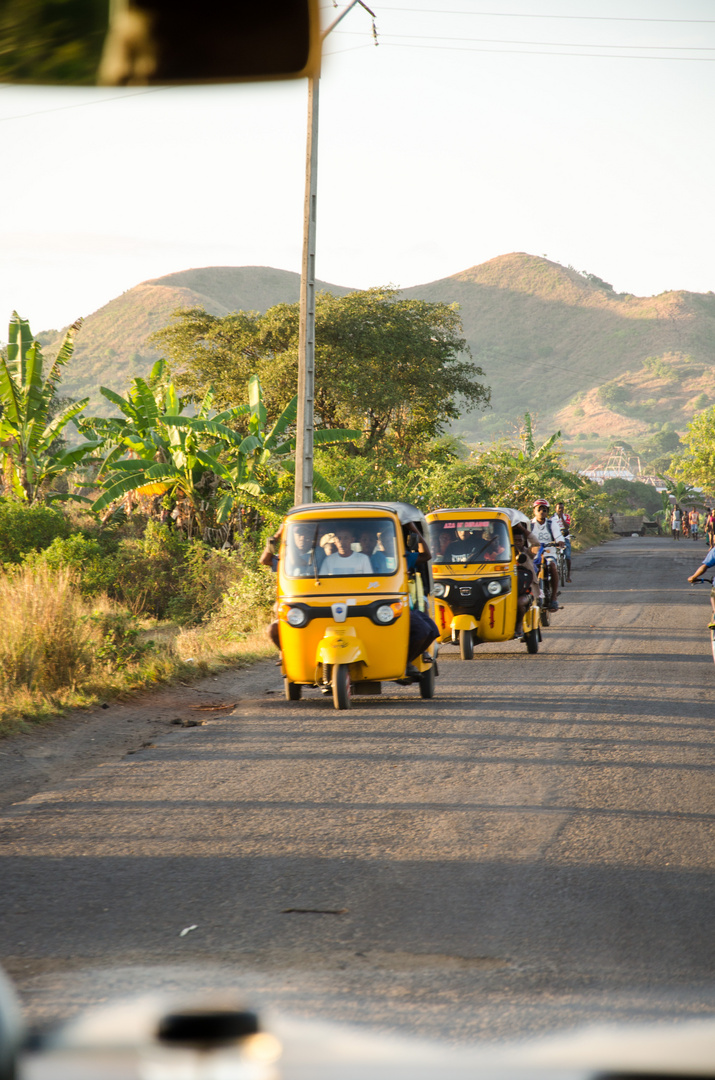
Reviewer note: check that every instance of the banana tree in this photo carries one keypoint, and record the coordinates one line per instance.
(150, 455)
(249, 459)
(31, 445)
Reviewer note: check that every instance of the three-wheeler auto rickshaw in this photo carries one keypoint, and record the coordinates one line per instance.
(476, 578)
(345, 592)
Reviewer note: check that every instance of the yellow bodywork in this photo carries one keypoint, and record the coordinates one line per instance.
(373, 652)
(497, 621)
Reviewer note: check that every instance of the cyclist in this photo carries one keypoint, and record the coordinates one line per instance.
(563, 520)
(708, 562)
(549, 534)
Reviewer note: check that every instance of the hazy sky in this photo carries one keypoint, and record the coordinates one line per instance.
(576, 129)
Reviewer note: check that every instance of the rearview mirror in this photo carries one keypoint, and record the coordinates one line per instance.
(155, 42)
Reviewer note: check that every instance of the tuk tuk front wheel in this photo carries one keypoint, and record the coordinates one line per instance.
(427, 680)
(292, 690)
(342, 698)
(532, 641)
(466, 645)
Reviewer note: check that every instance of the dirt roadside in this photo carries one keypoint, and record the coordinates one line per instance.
(49, 753)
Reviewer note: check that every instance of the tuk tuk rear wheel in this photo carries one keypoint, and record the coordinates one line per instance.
(532, 641)
(466, 645)
(427, 679)
(292, 690)
(342, 698)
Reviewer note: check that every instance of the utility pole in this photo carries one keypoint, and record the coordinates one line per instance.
(306, 332)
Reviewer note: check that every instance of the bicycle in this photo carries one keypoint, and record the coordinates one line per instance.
(561, 566)
(710, 581)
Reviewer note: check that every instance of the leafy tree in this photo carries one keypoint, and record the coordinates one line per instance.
(384, 366)
(697, 463)
(32, 453)
(632, 495)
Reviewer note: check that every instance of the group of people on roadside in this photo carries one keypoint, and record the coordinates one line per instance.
(688, 523)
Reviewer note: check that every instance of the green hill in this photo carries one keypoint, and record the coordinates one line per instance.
(547, 337)
(112, 346)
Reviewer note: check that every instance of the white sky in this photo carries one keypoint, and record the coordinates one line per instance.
(443, 147)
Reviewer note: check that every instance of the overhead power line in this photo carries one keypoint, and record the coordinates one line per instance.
(542, 52)
(529, 15)
(555, 44)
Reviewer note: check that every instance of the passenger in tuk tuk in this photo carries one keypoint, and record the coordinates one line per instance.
(378, 558)
(445, 540)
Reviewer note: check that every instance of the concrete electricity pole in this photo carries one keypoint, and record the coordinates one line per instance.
(306, 344)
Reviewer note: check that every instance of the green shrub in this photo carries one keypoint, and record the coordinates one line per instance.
(246, 606)
(612, 394)
(26, 528)
(119, 642)
(83, 556)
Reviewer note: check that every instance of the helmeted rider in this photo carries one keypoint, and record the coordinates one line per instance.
(548, 533)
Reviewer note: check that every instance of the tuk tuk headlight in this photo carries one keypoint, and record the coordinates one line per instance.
(385, 614)
(439, 589)
(296, 617)
(494, 588)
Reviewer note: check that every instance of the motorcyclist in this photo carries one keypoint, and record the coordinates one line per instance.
(549, 534)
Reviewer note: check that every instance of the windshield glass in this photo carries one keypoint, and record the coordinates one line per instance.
(469, 540)
(346, 547)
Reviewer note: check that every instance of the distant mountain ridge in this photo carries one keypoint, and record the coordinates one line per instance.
(547, 337)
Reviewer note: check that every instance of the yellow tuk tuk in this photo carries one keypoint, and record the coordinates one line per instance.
(476, 576)
(345, 596)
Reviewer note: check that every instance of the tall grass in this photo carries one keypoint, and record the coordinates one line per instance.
(47, 637)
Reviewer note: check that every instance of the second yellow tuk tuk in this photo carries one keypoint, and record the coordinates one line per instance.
(476, 578)
(348, 594)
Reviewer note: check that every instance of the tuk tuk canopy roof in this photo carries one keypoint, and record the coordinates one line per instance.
(516, 517)
(405, 512)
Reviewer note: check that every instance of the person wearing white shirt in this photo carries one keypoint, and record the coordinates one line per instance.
(346, 561)
(549, 534)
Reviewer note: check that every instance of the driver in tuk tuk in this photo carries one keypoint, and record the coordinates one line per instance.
(527, 578)
(423, 629)
(345, 560)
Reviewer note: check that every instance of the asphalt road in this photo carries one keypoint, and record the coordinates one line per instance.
(531, 850)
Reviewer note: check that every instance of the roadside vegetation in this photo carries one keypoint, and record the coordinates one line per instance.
(129, 554)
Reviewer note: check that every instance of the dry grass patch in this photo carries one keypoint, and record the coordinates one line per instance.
(60, 652)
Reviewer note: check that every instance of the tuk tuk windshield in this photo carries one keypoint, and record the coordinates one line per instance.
(345, 547)
(469, 540)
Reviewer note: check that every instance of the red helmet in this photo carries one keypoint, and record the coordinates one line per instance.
(541, 502)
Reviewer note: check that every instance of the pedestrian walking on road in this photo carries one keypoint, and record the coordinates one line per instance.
(675, 522)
